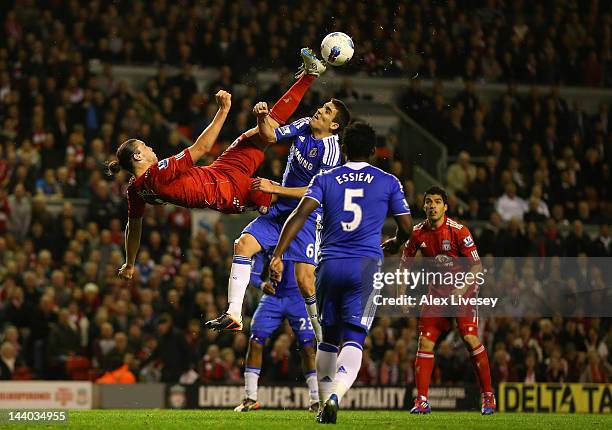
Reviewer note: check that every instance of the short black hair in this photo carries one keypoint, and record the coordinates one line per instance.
(436, 191)
(343, 114)
(359, 140)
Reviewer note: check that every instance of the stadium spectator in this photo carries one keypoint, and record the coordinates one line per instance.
(510, 205)
(460, 175)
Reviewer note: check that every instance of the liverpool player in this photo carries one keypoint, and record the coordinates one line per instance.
(443, 239)
(225, 185)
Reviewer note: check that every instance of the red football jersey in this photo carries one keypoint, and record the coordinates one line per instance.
(173, 180)
(451, 239)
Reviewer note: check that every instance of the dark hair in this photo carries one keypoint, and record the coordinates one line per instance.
(359, 140)
(343, 114)
(125, 154)
(437, 191)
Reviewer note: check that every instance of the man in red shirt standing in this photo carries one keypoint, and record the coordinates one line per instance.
(446, 241)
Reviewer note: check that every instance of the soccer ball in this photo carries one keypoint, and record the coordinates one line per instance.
(337, 48)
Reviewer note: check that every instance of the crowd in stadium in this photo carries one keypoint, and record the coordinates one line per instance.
(63, 311)
(543, 42)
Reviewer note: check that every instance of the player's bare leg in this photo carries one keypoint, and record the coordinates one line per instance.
(245, 247)
(423, 368)
(231, 320)
(310, 374)
(480, 362)
(305, 277)
(252, 368)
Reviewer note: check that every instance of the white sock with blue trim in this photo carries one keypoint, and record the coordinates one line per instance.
(349, 363)
(237, 285)
(313, 386)
(251, 379)
(325, 363)
(311, 308)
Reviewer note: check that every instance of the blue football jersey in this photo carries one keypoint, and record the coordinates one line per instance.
(356, 199)
(286, 287)
(307, 157)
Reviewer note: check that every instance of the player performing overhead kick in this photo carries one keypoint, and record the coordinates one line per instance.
(225, 185)
(279, 302)
(442, 238)
(356, 199)
(314, 148)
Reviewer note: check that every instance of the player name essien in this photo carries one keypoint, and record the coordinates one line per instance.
(429, 300)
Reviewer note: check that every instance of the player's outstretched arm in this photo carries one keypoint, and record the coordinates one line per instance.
(209, 136)
(133, 231)
(265, 124)
(404, 230)
(271, 187)
(292, 226)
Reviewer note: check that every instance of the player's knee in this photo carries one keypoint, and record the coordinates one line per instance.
(426, 344)
(471, 340)
(257, 341)
(246, 245)
(308, 349)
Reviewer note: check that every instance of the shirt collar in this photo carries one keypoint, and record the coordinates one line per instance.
(356, 165)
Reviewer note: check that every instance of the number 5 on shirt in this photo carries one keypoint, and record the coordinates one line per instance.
(351, 206)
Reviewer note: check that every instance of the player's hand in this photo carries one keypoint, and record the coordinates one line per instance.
(264, 185)
(261, 109)
(224, 100)
(276, 269)
(126, 271)
(391, 246)
(268, 288)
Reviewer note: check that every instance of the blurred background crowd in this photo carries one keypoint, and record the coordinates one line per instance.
(536, 169)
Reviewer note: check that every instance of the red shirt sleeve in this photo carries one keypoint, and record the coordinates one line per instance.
(168, 169)
(466, 245)
(136, 205)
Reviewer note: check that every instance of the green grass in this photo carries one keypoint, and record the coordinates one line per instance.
(294, 420)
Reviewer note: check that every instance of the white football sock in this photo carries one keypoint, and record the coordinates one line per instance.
(251, 378)
(313, 386)
(311, 308)
(325, 362)
(238, 282)
(349, 363)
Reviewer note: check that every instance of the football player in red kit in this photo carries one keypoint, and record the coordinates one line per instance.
(225, 185)
(444, 239)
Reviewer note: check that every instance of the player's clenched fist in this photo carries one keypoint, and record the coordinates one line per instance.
(224, 100)
(261, 109)
(276, 269)
(126, 271)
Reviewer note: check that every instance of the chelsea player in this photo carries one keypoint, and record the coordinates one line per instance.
(280, 301)
(356, 199)
(314, 148)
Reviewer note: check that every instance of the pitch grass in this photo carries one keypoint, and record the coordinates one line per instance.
(295, 420)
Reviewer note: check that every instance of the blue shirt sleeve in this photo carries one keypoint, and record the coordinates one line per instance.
(315, 189)
(296, 128)
(257, 267)
(332, 155)
(397, 201)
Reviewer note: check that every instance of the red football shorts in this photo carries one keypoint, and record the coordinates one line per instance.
(237, 164)
(431, 325)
